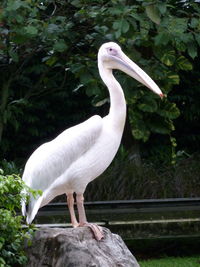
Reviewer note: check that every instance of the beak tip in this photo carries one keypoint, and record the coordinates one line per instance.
(162, 95)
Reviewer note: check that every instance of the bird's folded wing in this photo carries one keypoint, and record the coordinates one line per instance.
(51, 159)
(77, 140)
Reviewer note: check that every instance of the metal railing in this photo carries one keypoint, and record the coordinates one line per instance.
(132, 218)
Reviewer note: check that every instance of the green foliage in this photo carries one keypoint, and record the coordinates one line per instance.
(10, 190)
(11, 240)
(11, 233)
(48, 51)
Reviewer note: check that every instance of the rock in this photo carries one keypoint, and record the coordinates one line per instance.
(76, 247)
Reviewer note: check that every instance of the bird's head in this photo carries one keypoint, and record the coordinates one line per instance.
(111, 56)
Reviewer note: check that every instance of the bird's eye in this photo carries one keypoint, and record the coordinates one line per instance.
(112, 51)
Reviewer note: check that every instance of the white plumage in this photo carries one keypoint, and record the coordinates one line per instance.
(81, 153)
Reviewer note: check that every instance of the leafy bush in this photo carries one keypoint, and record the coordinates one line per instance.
(11, 232)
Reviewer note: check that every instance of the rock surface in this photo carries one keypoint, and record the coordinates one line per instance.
(55, 247)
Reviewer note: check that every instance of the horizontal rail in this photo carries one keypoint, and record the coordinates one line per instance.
(127, 210)
(65, 225)
(147, 203)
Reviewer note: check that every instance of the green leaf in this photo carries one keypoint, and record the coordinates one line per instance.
(183, 63)
(153, 13)
(76, 3)
(118, 33)
(117, 28)
(76, 67)
(116, 24)
(168, 58)
(86, 78)
(162, 8)
(177, 26)
(161, 126)
(31, 30)
(124, 25)
(52, 28)
(19, 38)
(192, 50)
(91, 90)
(2, 241)
(14, 5)
(14, 55)
(121, 26)
(197, 37)
(180, 46)
(186, 37)
(60, 46)
(50, 61)
(141, 134)
(150, 105)
(144, 29)
(19, 18)
(174, 78)
(169, 110)
(116, 10)
(194, 22)
(163, 38)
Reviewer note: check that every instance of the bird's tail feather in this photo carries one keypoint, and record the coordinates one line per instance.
(23, 208)
(23, 203)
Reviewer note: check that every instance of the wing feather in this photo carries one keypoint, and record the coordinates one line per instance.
(51, 159)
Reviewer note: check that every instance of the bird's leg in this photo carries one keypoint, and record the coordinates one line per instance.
(97, 230)
(70, 203)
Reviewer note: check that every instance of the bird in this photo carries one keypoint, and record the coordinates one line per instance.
(81, 153)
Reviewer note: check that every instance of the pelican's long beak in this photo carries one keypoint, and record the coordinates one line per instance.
(123, 63)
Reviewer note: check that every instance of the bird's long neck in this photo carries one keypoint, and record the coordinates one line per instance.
(117, 112)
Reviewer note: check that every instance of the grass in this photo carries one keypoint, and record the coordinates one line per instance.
(171, 262)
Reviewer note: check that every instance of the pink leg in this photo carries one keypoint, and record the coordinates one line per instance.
(97, 231)
(70, 202)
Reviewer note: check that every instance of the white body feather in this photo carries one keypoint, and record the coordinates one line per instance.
(70, 161)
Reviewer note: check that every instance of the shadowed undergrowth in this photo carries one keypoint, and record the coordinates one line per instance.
(124, 180)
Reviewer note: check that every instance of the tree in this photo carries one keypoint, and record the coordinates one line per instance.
(50, 48)
(31, 46)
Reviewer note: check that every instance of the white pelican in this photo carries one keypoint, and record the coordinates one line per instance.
(81, 153)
